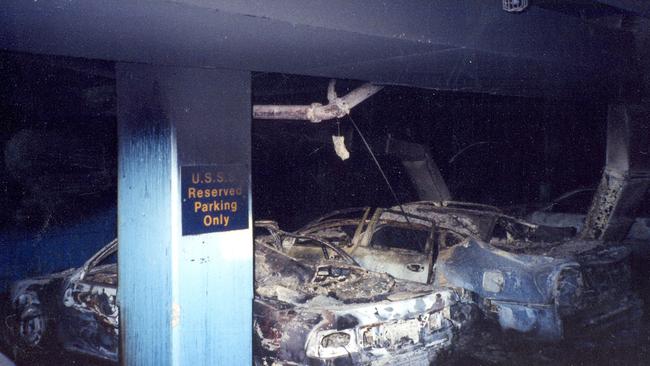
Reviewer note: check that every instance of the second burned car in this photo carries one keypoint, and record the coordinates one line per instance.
(535, 280)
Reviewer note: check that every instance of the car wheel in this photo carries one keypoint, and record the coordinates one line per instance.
(30, 335)
(31, 327)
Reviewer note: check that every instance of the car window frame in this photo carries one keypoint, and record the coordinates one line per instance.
(105, 252)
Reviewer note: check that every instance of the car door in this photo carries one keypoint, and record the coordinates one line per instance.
(402, 249)
(91, 312)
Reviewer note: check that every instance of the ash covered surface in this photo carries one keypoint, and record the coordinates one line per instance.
(600, 322)
(629, 344)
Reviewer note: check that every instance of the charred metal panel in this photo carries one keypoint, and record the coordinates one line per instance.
(421, 168)
(89, 317)
(541, 320)
(520, 275)
(172, 285)
(519, 290)
(324, 311)
(626, 177)
(537, 280)
(473, 220)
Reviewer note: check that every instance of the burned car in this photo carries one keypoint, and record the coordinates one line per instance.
(536, 280)
(304, 312)
(328, 310)
(74, 309)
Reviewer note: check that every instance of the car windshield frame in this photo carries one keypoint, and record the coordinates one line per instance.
(102, 254)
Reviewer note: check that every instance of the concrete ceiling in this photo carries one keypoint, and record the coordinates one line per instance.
(638, 7)
(449, 44)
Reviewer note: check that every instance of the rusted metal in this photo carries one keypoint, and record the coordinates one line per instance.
(421, 168)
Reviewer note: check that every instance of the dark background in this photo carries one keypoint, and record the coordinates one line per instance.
(504, 151)
(59, 146)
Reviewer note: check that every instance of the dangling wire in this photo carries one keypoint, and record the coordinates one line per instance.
(390, 187)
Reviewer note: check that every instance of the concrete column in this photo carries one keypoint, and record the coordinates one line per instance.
(184, 216)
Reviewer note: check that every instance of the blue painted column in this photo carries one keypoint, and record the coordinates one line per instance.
(185, 291)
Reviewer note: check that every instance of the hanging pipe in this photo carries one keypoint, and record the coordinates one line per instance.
(316, 112)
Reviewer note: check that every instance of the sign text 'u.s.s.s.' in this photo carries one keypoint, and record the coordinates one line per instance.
(214, 198)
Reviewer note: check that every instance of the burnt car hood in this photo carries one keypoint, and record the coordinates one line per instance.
(497, 274)
(34, 284)
(299, 304)
(285, 279)
(557, 290)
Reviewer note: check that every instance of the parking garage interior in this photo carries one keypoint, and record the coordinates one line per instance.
(147, 133)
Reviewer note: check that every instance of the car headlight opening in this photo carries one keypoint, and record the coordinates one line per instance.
(435, 321)
(568, 290)
(339, 339)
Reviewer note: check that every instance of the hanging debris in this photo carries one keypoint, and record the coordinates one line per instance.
(339, 147)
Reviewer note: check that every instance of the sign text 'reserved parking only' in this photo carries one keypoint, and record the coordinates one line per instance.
(214, 198)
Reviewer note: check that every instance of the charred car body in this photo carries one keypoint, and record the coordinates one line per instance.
(533, 279)
(75, 309)
(304, 313)
(328, 310)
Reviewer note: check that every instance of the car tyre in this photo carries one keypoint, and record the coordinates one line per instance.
(30, 334)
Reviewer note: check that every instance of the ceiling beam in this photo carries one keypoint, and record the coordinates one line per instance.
(448, 44)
